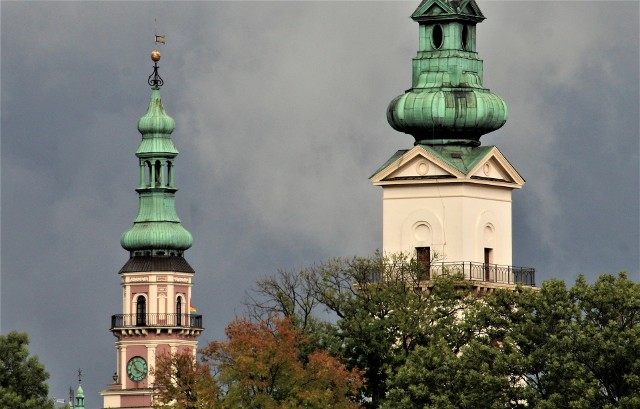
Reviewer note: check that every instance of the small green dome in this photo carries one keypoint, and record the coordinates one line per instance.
(156, 121)
(79, 398)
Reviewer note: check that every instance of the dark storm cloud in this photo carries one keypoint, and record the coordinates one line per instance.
(280, 112)
(573, 132)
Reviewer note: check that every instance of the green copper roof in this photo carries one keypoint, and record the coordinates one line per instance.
(431, 10)
(156, 128)
(79, 398)
(462, 158)
(156, 230)
(389, 161)
(447, 103)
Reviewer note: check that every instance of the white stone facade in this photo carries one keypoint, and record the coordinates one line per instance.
(459, 214)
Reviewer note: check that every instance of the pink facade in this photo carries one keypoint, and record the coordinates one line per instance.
(155, 321)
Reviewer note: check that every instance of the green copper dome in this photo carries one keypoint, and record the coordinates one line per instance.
(156, 230)
(447, 104)
(156, 128)
(79, 398)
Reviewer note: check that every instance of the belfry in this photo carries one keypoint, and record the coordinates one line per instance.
(447, 200)
(156, 280)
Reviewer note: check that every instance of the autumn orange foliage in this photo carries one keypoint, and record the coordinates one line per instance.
(259, 366)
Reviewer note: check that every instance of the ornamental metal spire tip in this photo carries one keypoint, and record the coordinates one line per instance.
(155, 81)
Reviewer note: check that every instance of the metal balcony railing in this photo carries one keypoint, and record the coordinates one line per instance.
(480, 272)
(156, 320)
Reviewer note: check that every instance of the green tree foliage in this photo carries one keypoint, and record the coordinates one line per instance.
(577, 347)
(441, 346)
(22, 378)
(260, 366)
(382, 311)
(433, 376)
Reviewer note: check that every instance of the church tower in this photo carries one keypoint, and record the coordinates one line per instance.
(447, 200)
(156, 280)
(79, 400)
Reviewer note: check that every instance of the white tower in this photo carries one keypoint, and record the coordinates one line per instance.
(447, 201)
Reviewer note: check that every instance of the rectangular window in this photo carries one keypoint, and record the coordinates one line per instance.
(487, 263)
(423, 259)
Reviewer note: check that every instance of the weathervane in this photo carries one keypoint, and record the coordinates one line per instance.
(79, 375)
(154, 79)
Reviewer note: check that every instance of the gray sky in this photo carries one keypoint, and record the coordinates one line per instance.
(280, 112)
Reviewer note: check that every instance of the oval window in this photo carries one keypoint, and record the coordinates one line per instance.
(436, 36)
(465, 38)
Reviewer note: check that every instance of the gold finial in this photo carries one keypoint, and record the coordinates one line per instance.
(155, 55)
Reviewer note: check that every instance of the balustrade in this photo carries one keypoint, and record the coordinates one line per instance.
(156, 320)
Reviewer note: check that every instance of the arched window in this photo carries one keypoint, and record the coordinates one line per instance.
(179, 311)
(169, 180)
(466, 44)
(148, 178)
(141, 311)
(158, 170)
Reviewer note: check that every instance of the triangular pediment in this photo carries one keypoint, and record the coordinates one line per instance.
(470, 7)
(434, 10)
(423, 164)
(432, 7)
(494, 167)
(447, 9)
(416, 164)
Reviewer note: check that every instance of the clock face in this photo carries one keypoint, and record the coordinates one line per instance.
(137, 369)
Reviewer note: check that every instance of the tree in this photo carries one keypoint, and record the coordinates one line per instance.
(580, 347)
(440, 346)
(552, 348)
(22, 378)
(608, 340)
(435, 377)
(259, 366)
(572, 348)
(382, 311)
(184, 383)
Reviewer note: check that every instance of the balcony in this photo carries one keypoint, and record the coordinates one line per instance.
(176, 321)
(479, 273)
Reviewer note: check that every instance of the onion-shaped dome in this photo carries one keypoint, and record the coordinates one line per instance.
(447, 116)
(156, 128)
(447, 104)
(156, 120)
(156, 236)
